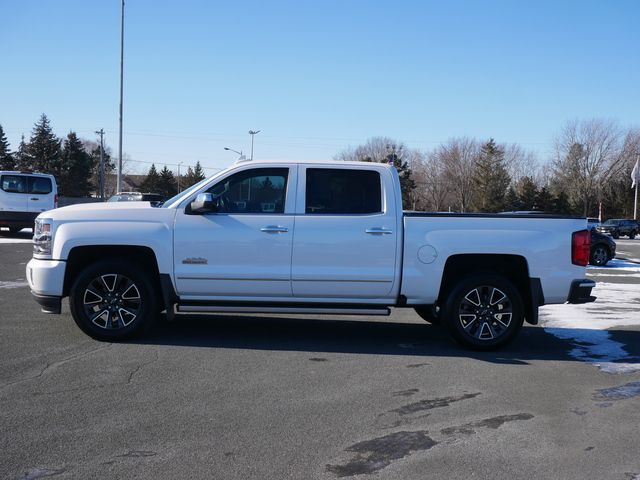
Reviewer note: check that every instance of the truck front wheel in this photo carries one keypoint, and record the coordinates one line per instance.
(112, 300)
(484, 312)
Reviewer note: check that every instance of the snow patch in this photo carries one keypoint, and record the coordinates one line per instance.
(15, 240)
(7, 285)
(585, 326)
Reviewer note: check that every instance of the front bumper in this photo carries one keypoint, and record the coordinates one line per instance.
(48, 303)
(580, 291)
(46, 280)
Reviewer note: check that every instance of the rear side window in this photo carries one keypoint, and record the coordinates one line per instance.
(14, 183)
(343, 191)
(40, 185)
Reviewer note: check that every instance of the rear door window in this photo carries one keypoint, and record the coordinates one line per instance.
(40, 185)
(14, 183)
(343, 191)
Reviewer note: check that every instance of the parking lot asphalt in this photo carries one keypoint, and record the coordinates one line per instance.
(301, 397)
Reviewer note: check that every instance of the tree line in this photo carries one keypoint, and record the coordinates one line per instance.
(75, 163)
(590, 167)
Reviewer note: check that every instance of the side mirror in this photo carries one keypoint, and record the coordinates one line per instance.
(203, 203)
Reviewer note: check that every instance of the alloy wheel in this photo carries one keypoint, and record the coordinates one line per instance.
(112, 301)
(485, 313)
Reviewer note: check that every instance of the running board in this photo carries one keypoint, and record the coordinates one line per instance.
(185, 308)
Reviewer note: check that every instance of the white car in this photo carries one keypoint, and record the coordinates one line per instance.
(305, 237)
(23, 196)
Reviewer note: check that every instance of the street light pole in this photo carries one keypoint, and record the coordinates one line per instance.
(119, 176)
(101, 133)
(242, 157)
(253, 133)
(635, 176)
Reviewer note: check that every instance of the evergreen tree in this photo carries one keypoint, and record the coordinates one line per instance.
(22, 158)
(109, 167)
(407, 184)
(198, 173)
(77, 169)
(561, 204)
(511, 201)
(528, 193)
(43, 148)
(7, 161)
(491, 178)
(151, 184)
(544, 200)
(193, 176)
(167, 184)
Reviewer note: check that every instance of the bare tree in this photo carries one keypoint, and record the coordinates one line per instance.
(434, 190)
(522, 163)
(457, 158)
(588, 154)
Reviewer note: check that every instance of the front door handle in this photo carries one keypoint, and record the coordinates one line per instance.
(274, 229)
(34, 199)
(378, 231)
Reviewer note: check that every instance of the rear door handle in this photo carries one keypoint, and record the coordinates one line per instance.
(274, 229)
(378, 231)
(35, 199)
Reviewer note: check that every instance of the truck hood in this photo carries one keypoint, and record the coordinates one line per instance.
(120, 211)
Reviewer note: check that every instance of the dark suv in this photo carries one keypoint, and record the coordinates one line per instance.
(618, 227)
(603, 248)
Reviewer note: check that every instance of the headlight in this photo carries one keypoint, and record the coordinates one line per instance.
(42, 237)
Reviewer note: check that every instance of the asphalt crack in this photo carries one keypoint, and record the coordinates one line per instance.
(51, 366)
(135, 371)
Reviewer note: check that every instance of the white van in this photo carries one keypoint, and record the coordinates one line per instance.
(23, 196)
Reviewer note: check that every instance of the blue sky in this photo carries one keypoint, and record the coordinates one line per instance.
(315, 77)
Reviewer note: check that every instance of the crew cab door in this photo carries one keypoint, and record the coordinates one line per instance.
(345, 244)
(243, 249)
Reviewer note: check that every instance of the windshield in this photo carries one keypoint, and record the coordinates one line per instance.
(175, 200)
(611, 222)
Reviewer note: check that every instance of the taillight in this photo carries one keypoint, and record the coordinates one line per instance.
(580, 247)
(55, 201)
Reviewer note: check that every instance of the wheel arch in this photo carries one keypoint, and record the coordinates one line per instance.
(81, 257)
(513, 267)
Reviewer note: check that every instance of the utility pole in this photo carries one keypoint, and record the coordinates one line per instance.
(119, 176)
(101, 133)
(253, 133)
(180, 163)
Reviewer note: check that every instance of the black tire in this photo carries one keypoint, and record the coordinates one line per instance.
(113, 300)
(600, 255)
(484, 312)
(616, 235)
(632, 235)
(429, 313)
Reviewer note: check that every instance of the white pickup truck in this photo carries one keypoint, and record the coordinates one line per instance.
(305, 237)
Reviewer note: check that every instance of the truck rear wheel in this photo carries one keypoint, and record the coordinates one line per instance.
(429, 313)
(112, 300)
(484, 312)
